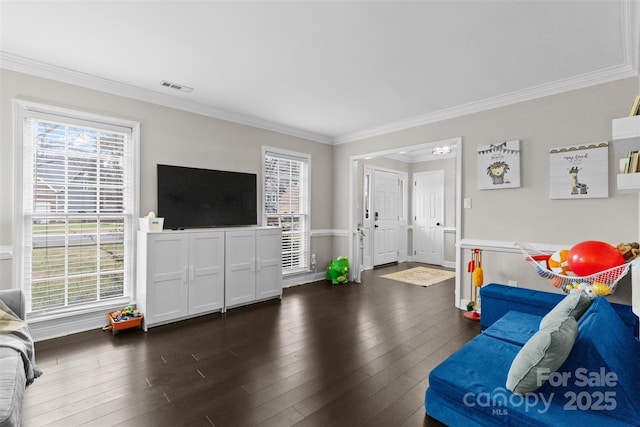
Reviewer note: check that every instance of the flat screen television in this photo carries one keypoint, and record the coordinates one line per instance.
(200, 198)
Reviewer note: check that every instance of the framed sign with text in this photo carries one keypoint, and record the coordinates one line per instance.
(579, 171)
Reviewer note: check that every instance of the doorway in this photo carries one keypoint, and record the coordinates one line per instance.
(361, 233)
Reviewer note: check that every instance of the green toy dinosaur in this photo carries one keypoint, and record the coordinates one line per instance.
(338, 271)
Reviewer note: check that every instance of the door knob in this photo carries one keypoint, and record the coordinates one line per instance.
(376, 226)
(437, 223)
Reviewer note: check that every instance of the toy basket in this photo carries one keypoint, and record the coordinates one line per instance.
(116, 325)
(602, 283)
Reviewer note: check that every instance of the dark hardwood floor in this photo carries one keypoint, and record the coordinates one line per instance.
(335, 355)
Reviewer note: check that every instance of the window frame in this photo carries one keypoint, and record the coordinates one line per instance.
(306, 200)
(24, 109)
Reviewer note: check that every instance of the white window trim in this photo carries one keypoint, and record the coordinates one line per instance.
(307, 230)
(20, 109)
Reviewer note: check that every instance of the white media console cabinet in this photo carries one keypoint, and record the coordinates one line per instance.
(187, 273)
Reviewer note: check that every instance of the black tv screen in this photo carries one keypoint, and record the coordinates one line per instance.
(199, 198)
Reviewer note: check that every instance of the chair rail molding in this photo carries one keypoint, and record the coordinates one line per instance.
(6, 252)
(329, 232)
(508, 246)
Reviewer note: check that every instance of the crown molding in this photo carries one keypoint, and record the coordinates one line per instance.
(32, 67)
(579, 82)
(631, 32)
(39, 69)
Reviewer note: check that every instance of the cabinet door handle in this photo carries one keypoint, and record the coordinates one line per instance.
(192, 273)
(258, 264)
(184, 274)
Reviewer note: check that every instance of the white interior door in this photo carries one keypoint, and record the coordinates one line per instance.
(386, 221)
(428, 220)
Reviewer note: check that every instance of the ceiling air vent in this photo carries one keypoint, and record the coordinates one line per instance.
(176, 86)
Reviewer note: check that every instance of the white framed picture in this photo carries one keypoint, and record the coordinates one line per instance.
(499, 165)
(579, 171)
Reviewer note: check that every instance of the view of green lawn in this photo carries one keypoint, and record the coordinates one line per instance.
(76, 269)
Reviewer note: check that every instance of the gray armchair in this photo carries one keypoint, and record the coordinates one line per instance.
(13, 378)
(14, 299)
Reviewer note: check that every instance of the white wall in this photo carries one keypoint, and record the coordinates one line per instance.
(168, 136)
(524, 214)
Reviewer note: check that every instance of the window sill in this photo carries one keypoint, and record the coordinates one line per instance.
(295, 272)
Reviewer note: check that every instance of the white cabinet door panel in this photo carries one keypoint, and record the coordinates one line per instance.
(269, 263)
(240, 276)
(206, 272)
(167, 288)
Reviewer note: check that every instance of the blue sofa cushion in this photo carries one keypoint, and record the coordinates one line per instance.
(497, 299)
(574, 304)
(477, 368)
(514, 327)
(545, 351)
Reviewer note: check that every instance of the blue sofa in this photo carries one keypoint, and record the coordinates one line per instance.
(598, 384)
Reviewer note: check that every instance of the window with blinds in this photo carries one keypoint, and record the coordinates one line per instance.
(77, 211)
(286, 205)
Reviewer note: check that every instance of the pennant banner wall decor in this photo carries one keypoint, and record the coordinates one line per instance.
(499, 165)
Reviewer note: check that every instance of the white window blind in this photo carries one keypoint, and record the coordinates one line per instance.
(77, 211)
(286, 205)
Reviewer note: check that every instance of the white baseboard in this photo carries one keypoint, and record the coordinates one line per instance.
(303, 279)
(449, 264)
(59, 327)
(464, 302)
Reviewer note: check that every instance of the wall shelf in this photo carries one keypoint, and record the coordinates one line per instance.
(627, 129)
(628, 182)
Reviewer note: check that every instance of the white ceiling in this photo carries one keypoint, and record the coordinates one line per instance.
(331, 71)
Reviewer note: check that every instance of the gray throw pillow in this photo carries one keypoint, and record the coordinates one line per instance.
(574, 305)
(545, 351)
